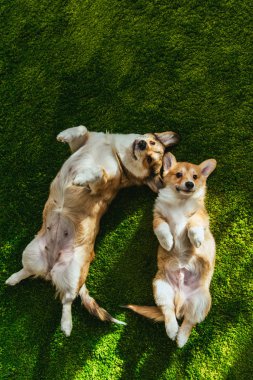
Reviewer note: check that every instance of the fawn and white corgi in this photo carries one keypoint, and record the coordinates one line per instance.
(79, 195)
(186, 253)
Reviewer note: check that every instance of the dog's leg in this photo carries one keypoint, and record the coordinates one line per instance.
(184, 332)
(75, 137)
(164, 297)
(66, 319)
(93, 178)
(196, 235)
(15, 278)
(196, 228)
(196, 308)
(34, 262)
(162, 231)
(65, 275)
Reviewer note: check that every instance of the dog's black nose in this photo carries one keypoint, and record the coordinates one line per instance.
(189, 185)
(142, 144)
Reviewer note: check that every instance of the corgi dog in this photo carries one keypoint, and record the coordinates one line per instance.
(100, 165)
(186, 254)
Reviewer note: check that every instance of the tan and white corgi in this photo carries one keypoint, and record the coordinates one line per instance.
(186, 254)
(88, 181)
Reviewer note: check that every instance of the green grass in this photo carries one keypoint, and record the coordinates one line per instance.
(126, 66)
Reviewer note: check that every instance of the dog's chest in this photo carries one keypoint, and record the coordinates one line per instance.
(178, 220)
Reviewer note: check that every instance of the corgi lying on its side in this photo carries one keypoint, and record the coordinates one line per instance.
(186, 254)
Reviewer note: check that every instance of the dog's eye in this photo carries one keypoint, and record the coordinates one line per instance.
(152, 142)
(149, 160)
(195, 176)
(179, 175)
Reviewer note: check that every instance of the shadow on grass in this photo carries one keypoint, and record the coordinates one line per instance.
(143, 347)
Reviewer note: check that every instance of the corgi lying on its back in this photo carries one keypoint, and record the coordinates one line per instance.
(186, 254)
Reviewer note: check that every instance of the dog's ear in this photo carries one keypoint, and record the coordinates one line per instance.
(207, 167)
(169, 160)
(155, 183)
(167, 138)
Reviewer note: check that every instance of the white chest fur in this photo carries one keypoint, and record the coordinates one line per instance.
(175, 211)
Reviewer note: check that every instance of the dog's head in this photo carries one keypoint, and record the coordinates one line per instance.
(147, 152)
(184, 179)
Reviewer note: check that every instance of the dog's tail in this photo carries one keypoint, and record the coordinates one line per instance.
(151, 312)
(91, 305)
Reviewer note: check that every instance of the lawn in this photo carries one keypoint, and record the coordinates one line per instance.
(126, 66)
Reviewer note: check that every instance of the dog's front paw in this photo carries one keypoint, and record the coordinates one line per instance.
(164, 235)
(166, 241)
(71, 133)
(88, 177)
(196, 236)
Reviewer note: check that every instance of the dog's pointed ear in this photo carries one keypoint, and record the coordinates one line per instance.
(207, 167)
(169, 160)
(167, 138)
(155, 183)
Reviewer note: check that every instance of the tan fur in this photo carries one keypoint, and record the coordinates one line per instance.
(186, 254)
(88, 181)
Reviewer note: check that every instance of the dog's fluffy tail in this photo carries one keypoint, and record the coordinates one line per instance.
(151, 312)
(91, 305)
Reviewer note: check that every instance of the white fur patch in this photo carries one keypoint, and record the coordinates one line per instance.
(71, 133)
(171, 328)
(196, 236)
(182, 338)
(164, 235)
(164, 293)
(15, 278)
(88, 176)
(66, 320)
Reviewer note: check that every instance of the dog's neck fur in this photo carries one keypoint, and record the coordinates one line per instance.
(173, 201)
(127, 177)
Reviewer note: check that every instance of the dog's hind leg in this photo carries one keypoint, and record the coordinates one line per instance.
(66, 319)
(34, 262)
(75, 137)
(65, 276)
(15, 278)
(196, 307)
(184, 332)
(164, 297)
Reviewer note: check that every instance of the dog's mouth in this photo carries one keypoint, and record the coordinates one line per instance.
(184, 191)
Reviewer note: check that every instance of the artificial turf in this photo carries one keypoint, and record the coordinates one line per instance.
(126, 66)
